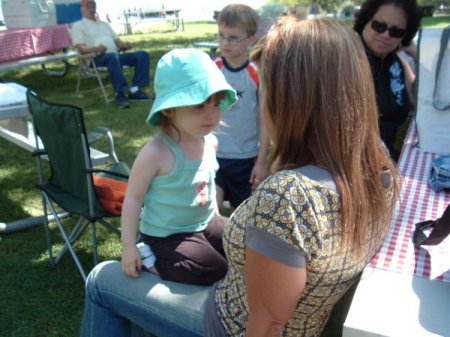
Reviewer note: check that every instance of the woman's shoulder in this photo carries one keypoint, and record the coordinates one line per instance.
(281, 180)
(304, 178)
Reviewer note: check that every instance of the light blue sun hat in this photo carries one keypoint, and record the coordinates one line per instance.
(186, 77)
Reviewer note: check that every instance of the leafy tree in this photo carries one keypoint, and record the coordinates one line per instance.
(330, 5)
(325, 5)
(271, 11)
(287, 3)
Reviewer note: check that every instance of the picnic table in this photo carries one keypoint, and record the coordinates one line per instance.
(405, 291)
(211, 45)
(25, 47)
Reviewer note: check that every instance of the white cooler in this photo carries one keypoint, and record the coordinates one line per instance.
(28, 13)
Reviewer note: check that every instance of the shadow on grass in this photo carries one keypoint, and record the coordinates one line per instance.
(39, 294)
(51, 298)
(12, 209)
(18, 178)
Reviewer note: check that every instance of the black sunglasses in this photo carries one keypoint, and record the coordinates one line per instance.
(381, 27)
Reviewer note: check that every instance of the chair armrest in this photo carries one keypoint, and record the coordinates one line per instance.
(109, 173)
(119, 170)
(100, 132)
(97, 134)
(38, 153)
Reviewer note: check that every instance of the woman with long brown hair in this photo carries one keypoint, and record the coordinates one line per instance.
(331, 196)
(297, 245)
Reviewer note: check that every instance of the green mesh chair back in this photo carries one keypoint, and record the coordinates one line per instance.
(62, 131)
(69, 181)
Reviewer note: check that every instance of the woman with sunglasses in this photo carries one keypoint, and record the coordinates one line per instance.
(385, 26)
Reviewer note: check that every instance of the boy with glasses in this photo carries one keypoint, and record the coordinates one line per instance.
(243, 140)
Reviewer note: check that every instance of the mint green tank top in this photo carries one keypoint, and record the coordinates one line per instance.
(184, 199)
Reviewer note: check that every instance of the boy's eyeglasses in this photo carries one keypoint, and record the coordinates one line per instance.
(381, 27)
(230, 40)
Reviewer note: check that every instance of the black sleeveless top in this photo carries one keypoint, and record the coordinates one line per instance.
(391, 94)
(390, 88)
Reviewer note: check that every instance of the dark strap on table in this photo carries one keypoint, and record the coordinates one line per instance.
(440, 230)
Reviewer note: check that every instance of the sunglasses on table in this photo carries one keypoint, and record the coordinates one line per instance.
(381, 27)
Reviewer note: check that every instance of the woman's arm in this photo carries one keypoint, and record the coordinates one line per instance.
(273, 291)
(410, 79)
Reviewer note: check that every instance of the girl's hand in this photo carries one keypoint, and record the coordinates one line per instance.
(131, 261)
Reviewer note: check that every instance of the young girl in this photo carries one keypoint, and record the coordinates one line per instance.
(173, 174)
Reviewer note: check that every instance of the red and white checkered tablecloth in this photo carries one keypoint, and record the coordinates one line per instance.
(418, 202)
(17, 44)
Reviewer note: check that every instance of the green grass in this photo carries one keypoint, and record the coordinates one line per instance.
(436, 22)
(38, 300)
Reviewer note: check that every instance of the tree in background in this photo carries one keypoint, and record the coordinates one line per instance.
(332, 6)
(328, 6)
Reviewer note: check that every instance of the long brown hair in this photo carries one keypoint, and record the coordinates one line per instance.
(320, 98)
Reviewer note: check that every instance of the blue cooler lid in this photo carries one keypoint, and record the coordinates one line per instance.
(68, 13)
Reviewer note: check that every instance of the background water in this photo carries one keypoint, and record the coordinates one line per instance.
(197, 10)
(191, 10)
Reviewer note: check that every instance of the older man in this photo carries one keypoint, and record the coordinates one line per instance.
(92, 36)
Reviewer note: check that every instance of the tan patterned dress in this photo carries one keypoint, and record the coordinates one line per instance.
(304, 214)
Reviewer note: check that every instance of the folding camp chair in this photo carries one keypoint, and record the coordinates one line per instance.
(88, 69)
(69, 185)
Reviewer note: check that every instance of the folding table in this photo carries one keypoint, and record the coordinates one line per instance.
(16, 127)
(405, 291)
